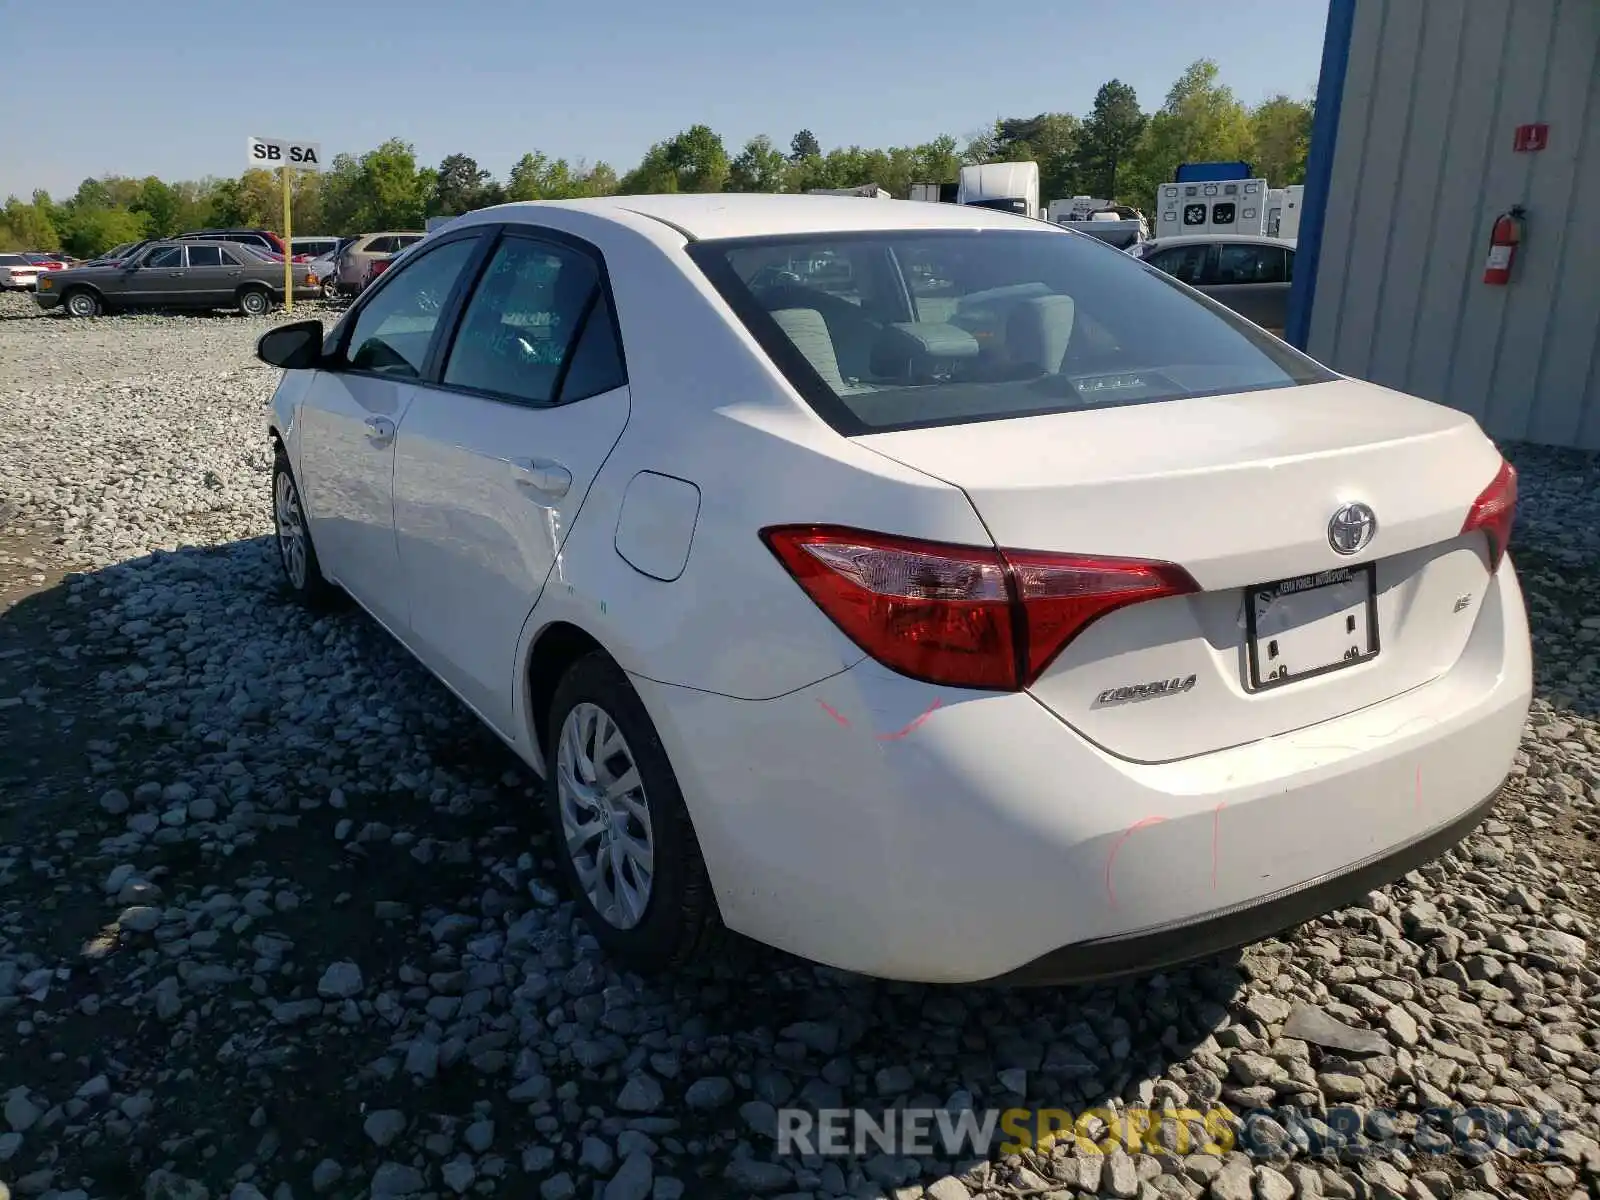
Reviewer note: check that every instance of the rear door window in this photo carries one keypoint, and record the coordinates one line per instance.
(523, 321)
(1247, 262)
(205, 256)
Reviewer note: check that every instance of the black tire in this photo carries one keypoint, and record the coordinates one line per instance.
(680, 924)
(82, 302)
(304, 577)
(254, 301)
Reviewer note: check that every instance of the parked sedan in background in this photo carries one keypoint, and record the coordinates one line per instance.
(363, 251)
(263, 238)
(45, 262)
(17, 273)
(999, 610)
(1251, 275)
(177, 274)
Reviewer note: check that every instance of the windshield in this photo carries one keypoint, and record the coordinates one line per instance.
(912, 328)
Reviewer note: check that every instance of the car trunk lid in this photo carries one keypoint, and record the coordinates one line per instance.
(1240, 491)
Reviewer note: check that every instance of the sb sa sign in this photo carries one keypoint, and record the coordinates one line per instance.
(281, 152)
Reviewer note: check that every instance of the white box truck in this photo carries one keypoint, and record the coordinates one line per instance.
(1220, 206)
(1294, 198)
(1010, 187)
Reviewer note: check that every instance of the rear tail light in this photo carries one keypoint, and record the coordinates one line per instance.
(962, 616)
(1494, 511)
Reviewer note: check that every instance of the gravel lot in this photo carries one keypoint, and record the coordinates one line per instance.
(277, 917)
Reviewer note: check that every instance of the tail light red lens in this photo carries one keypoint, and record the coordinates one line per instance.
(962, 616)
(1494, 512)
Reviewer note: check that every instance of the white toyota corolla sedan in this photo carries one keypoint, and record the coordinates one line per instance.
(928, 591)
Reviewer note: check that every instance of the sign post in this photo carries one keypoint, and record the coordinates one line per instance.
(287, 156)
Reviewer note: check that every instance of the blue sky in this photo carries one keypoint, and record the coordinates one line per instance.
(174, 87)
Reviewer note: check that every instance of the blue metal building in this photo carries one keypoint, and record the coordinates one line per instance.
(1433, 118)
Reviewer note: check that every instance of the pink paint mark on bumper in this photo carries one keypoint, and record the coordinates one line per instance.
(844, 721)
(900, 733)
(1111, 858)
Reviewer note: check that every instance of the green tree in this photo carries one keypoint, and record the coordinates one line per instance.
(91, 231)
(1281, 130)
(654, 174)
(535, 177)
(981, 148)
(1108, 139)
(1049, 139)
(27, 225)
(1201, 121)
(804, 145)
(759, 167)
(389, 191)
(700, 159)
(598, 180)
(462, 186)
(693, 161)
(938, 161)
(161, 205)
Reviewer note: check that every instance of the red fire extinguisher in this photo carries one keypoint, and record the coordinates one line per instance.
(1503, 242)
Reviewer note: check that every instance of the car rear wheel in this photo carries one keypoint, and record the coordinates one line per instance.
(254, 302)
(298, 557)
(625, 842)
(330, 289)
(83, 303)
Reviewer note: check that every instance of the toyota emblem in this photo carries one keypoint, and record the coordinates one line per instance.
(1351, 528)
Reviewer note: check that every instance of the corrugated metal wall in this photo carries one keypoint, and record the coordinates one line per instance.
(1423, 164)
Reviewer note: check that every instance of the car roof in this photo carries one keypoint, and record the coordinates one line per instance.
(757, 214)
(1196, 239)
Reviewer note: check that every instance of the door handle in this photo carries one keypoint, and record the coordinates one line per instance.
(380, 430)
(542, 475)
(175, 274)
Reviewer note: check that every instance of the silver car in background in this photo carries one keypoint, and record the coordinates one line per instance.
(1249, 274)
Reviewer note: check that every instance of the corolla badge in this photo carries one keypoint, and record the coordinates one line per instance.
(1351, 528)
(1146, 691)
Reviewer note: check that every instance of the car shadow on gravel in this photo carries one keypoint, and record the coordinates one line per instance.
(268, 792)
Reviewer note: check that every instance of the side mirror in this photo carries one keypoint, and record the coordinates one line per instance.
(294, 347)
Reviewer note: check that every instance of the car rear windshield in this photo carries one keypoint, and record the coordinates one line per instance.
(915, 328)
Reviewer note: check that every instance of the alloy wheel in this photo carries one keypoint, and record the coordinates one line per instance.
(605, 818)
(291, 529)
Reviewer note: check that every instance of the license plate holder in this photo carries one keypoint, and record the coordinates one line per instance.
(1310, 625)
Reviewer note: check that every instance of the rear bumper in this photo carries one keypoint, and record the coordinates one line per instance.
(1215, 932)
(884, 826)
